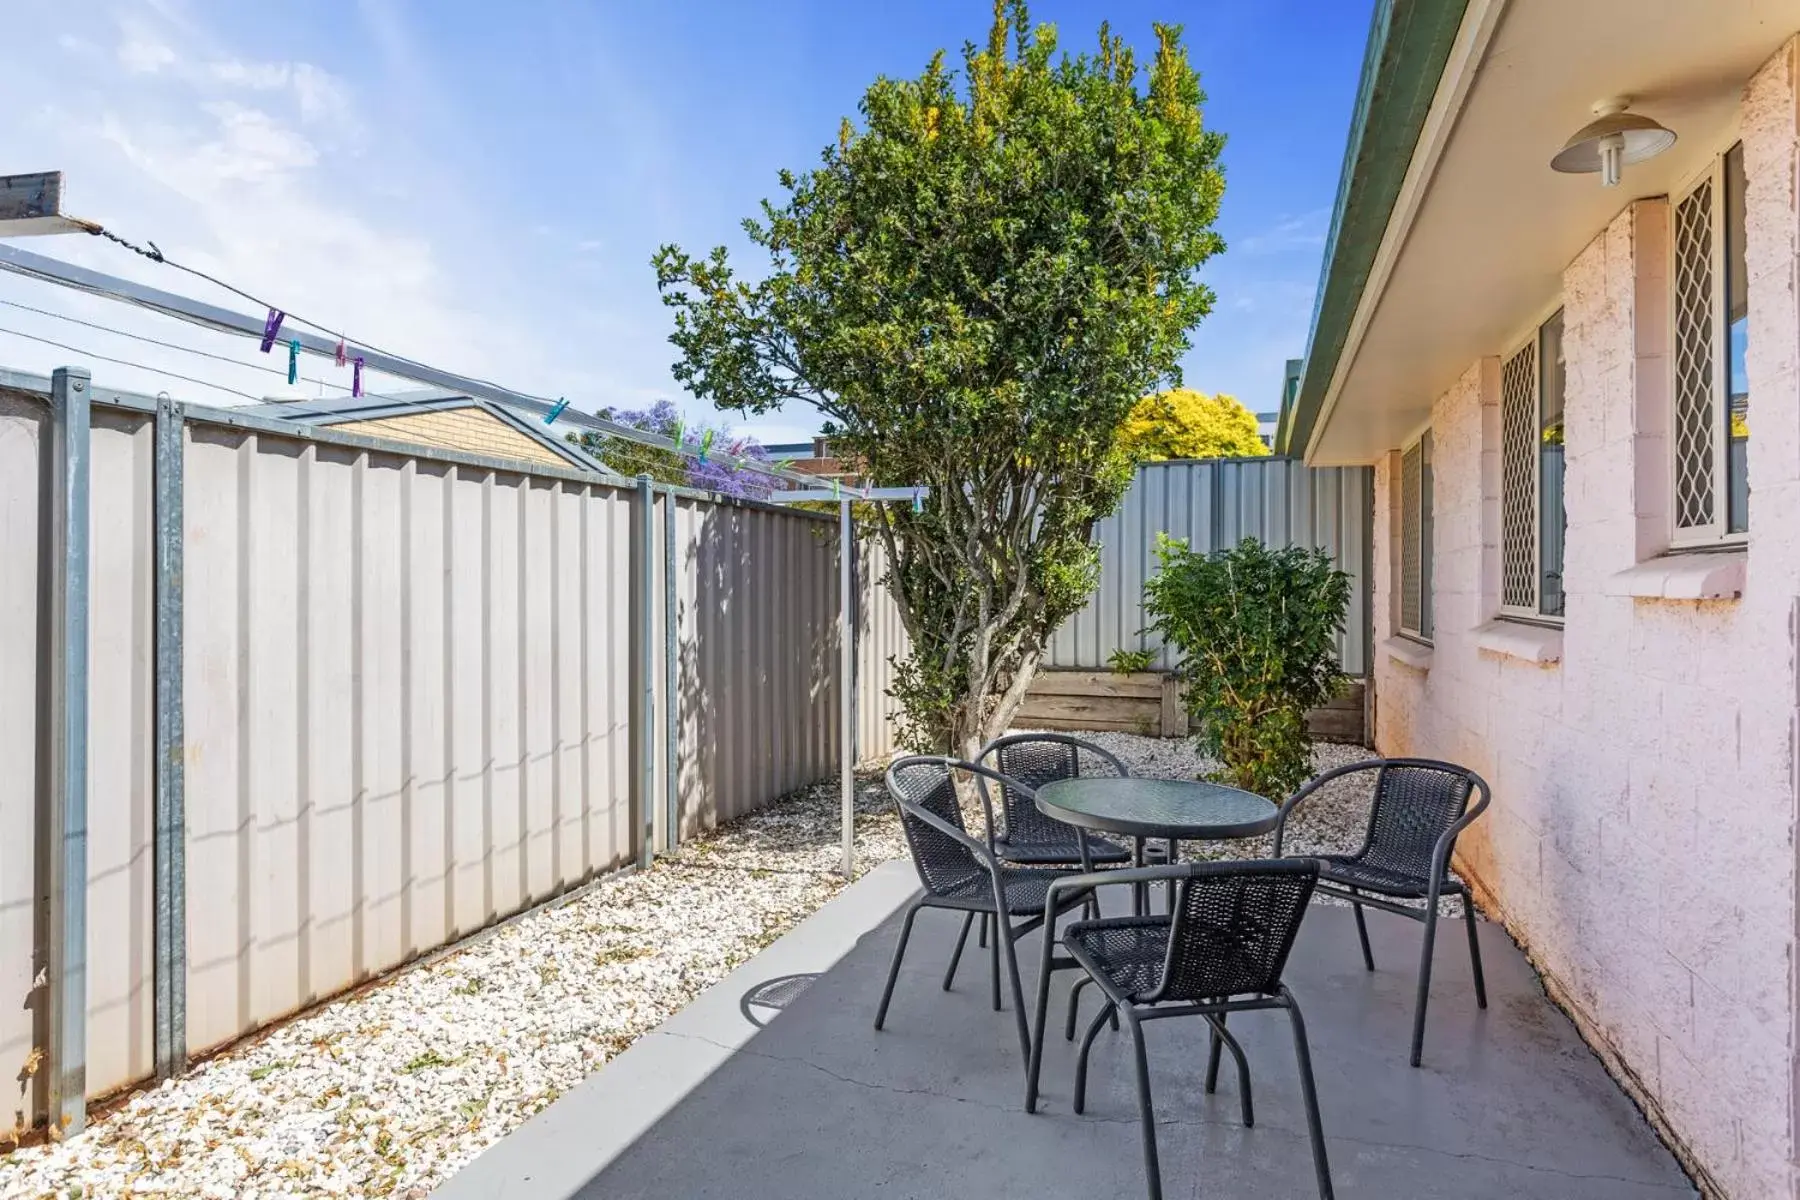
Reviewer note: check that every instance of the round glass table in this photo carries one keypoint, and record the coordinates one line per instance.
(1170, 809)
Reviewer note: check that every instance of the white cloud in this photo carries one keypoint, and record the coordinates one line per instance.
(1289, 233)
(246, 169)
(335, 188)
(144, 55)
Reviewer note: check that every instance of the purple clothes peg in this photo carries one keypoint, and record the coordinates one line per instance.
(272, 328)
(356, 378)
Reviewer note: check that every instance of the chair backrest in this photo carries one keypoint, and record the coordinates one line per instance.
(1234, 925)
(926, 782)
(1035, 759)
(1416, 803)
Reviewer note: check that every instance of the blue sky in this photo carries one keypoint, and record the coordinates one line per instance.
(481, 186)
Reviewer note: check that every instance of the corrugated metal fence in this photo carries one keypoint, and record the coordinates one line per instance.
(405, 697)
(1215, 503)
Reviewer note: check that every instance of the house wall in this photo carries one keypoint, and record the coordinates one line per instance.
(467, 429)
(1641, 839)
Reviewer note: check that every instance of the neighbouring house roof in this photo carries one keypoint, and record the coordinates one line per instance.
(1451, 233)
(447, 420)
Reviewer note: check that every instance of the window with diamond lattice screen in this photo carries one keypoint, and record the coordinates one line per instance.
(1695, 401)
(1518, 479)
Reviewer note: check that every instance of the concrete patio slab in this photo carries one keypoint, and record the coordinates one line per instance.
(815, 1103)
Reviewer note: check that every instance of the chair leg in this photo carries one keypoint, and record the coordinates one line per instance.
(1087, 1043)
(956, 954)
(1474, 950)
(1431, 920)
(1004, 929)
(982, 941)
(1222, 1036)
(1043, 1017)
(1146, 1111)
(1314, 1130)
(994, 962)
(1362, 934)
(887, 993)
(1074, 1007)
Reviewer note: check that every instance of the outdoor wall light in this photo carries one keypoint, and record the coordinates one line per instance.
(1610, 141)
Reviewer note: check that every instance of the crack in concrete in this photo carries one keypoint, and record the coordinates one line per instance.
(1197, 1121)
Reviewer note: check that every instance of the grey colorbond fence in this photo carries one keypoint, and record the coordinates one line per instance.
(1214, 503)
(351, 701)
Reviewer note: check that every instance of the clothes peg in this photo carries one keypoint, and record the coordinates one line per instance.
(918, 500)
(272, 328)
(356, 377)
(340, 352)
(556, 410)
(293, 361)
(706, 441)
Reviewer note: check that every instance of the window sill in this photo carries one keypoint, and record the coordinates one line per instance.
(1408, 653)
(1538, 644)
(1712, 576)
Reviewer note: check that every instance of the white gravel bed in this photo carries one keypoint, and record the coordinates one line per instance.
(390, 1091)
(1332, 820)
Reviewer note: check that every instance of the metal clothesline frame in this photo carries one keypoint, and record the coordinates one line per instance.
(847, 646)
(224, 320)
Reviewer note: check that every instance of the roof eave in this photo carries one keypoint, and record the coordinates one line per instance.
(1409, 45)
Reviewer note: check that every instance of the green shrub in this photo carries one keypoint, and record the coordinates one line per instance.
(1130, 662)
(1256, 630)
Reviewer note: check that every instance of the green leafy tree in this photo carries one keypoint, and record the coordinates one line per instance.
(1257, 633)
(974, 287)
(1181, 423)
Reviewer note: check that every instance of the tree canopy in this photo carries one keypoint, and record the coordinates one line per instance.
(666, 466)
(974, 286)
(1181, 423)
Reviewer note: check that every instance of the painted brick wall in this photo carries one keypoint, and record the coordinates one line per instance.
(467, 429)
(1641, 840)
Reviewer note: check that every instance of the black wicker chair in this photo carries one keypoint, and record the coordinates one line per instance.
(962, 873)
(1026, 836)
(1420, 807)
(1221, 951)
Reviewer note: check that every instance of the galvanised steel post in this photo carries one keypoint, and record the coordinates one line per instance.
(846, 688)
(643, 729)
(671, 680)
(71, 391)
(170, 869)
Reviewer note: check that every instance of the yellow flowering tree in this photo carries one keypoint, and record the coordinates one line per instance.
(1183, 423)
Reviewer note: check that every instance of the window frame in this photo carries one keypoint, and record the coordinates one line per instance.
(1533, 338)
(1716, 533)
(1421, 442)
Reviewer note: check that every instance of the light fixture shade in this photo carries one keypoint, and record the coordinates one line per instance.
(1637, 139)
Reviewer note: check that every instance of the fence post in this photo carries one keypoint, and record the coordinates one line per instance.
(671, 680)
(846, 690)
(170, 868)
(643, 665)
(70, 396)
